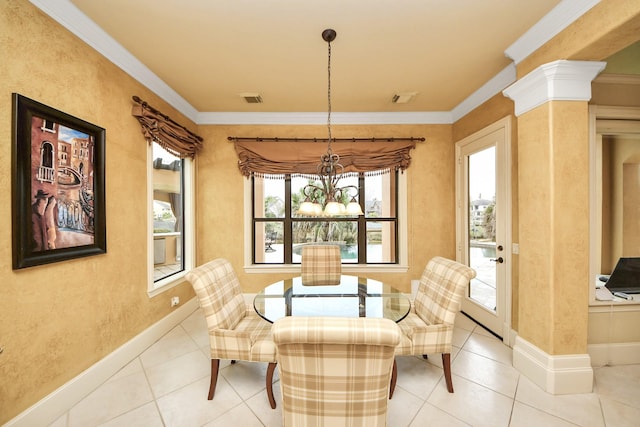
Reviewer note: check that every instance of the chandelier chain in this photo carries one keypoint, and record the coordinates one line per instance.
(329, 97)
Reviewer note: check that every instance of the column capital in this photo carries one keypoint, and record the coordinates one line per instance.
(560, 80)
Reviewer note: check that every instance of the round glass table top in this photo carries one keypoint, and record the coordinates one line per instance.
(353, 297)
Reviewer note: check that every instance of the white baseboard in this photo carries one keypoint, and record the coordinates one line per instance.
(565, 374)
(614, 354)
(65, 397)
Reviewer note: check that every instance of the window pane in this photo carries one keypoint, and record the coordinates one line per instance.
(269, 239)
(381, 241)
(268, 196)
(168, 221)
(380, 198)
(343, 233)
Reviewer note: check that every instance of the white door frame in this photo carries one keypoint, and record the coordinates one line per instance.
(503, 167)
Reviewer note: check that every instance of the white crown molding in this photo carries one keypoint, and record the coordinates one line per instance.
(556, 81)
(494, 86)
(70, 17)
(227, 118)
(560, 17)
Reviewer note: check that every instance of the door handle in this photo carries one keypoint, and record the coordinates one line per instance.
(499, 260)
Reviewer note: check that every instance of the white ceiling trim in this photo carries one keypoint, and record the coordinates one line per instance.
(556, 81)
(370, 118)
(560, 17)
(70, 17)
(494, 86)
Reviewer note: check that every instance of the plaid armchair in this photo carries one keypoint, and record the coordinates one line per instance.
(335, 371)
(236, 332)
(321, 265)
(428, 328)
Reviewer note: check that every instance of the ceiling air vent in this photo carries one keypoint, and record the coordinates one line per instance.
(252, 98)
(403, 98)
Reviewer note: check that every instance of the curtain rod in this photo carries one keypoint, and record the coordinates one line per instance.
(164, 116)
(276, 139)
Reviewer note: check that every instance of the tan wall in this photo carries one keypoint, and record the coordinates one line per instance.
(58, 320)
(431, 221)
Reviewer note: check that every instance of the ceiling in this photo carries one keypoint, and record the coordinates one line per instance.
(201, 55)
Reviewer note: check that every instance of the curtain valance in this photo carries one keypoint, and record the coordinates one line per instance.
(159, 128)
(302, 157)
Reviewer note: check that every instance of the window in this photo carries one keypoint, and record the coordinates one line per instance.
(278, 233)
(171, 217)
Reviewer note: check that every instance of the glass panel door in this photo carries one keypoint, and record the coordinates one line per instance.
(482, 184)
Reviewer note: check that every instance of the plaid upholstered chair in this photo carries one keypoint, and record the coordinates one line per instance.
(321, 265)
(335, 371)
(236, 332)
(429, 324)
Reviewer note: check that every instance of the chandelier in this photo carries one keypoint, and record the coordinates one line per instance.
(327, 198)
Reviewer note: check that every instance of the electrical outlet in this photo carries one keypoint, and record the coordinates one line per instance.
(175, 301)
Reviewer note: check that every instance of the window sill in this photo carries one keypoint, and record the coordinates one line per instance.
(346, 268)
(165, 284)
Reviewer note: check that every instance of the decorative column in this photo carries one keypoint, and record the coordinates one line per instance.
(553, 178)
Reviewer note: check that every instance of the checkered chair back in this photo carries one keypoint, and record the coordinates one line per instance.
(335, 371)
(440, 292)
(219, 294)
(321, 265)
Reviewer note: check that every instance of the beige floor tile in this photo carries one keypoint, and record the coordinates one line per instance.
(259, 405)
(464, 322)
(240, 416)
(196, 326)
(460, 336)
(178, 372)
(145, 416)
(429, 415)
(582, 409)
(175, 343)
(526, 416)
(111, 400)
(618, 414)
(247, 378)
(417, 376)
(188, 406)
(490, 347)
(403, 408)
(473, 403)
(619, 383)
(487, 372)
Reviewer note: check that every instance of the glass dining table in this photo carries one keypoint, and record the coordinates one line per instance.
(354, 296)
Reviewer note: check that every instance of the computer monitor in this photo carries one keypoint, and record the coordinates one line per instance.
(625, 277)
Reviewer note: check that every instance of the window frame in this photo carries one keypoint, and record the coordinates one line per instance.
(402, 238)
(188, 233)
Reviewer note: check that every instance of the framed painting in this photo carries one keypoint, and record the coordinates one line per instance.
(58, 188)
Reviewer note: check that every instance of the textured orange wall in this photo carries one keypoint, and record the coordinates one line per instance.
(554, 236)
(431, 221)
(58, 320)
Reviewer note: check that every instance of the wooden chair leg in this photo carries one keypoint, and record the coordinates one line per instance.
(270, 369)
(394, 379)
(446, 364)
(215, 364)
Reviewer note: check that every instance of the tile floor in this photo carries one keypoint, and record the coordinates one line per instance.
(167, 386)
